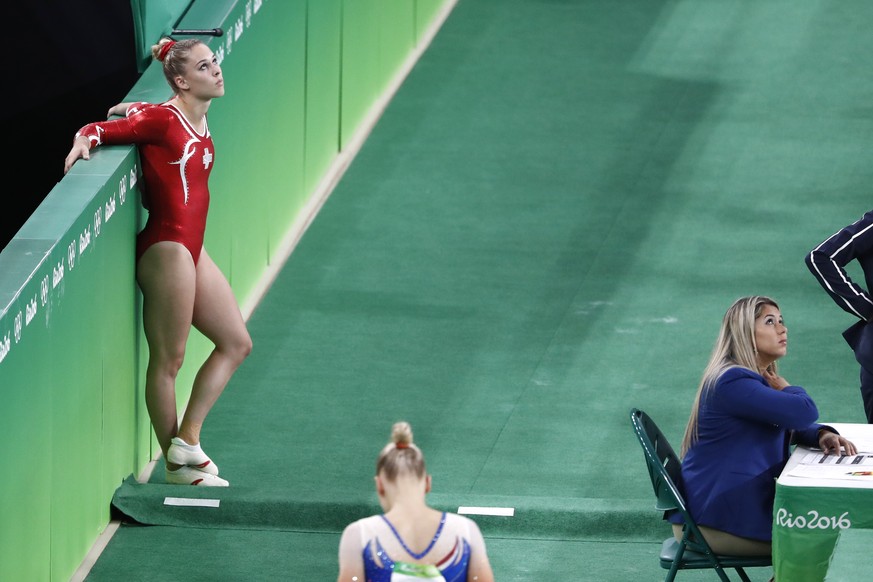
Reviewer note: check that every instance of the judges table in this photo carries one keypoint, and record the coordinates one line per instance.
(818, 497)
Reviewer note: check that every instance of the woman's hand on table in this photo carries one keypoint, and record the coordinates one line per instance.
(832, 443)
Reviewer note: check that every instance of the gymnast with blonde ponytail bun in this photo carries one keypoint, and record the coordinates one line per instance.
(410, 540)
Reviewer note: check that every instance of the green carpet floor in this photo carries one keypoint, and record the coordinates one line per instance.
(543, 230)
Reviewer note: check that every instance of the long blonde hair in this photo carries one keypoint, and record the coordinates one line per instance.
(735, 347)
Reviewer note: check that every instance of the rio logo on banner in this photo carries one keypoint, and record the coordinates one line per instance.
(812, 520)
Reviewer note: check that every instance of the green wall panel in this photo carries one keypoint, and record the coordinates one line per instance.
(25, 390)
(54, 412)
(322, 137)
(118, 352)
(79, 345)
(76, 377)
(396, 37)
(359, 77)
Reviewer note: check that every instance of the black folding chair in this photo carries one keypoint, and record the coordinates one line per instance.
(692, 553)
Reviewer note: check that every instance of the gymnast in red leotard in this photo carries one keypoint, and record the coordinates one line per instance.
(176, 161)
(181, 285)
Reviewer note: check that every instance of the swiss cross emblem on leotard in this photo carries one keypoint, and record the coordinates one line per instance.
(207, 158)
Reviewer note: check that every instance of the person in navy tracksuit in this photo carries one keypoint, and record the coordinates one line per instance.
(827, 262)
(743, 420)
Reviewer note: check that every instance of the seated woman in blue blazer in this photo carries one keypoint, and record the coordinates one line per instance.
(743, 419)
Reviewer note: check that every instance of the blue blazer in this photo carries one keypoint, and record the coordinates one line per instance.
(745, 428)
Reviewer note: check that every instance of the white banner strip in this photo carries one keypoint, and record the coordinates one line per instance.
(506, 511)
(185, 502)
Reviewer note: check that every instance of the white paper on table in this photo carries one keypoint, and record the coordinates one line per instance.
(843, 473)
(809, 467)
(815, 457)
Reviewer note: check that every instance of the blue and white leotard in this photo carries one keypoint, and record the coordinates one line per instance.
(380, 567)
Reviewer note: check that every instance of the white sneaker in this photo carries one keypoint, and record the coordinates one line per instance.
(181, 453)
(185, 475)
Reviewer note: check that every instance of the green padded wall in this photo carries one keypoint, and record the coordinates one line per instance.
(152, 18)
(323, 46)
(359, 72)
(25, 386)
(73, 329)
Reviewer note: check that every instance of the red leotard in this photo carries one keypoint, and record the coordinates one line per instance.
(176, 162)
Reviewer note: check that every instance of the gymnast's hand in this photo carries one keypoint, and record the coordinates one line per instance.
(81, 149)
(119, 109)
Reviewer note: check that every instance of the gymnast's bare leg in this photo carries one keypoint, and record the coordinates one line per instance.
(177, 295)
